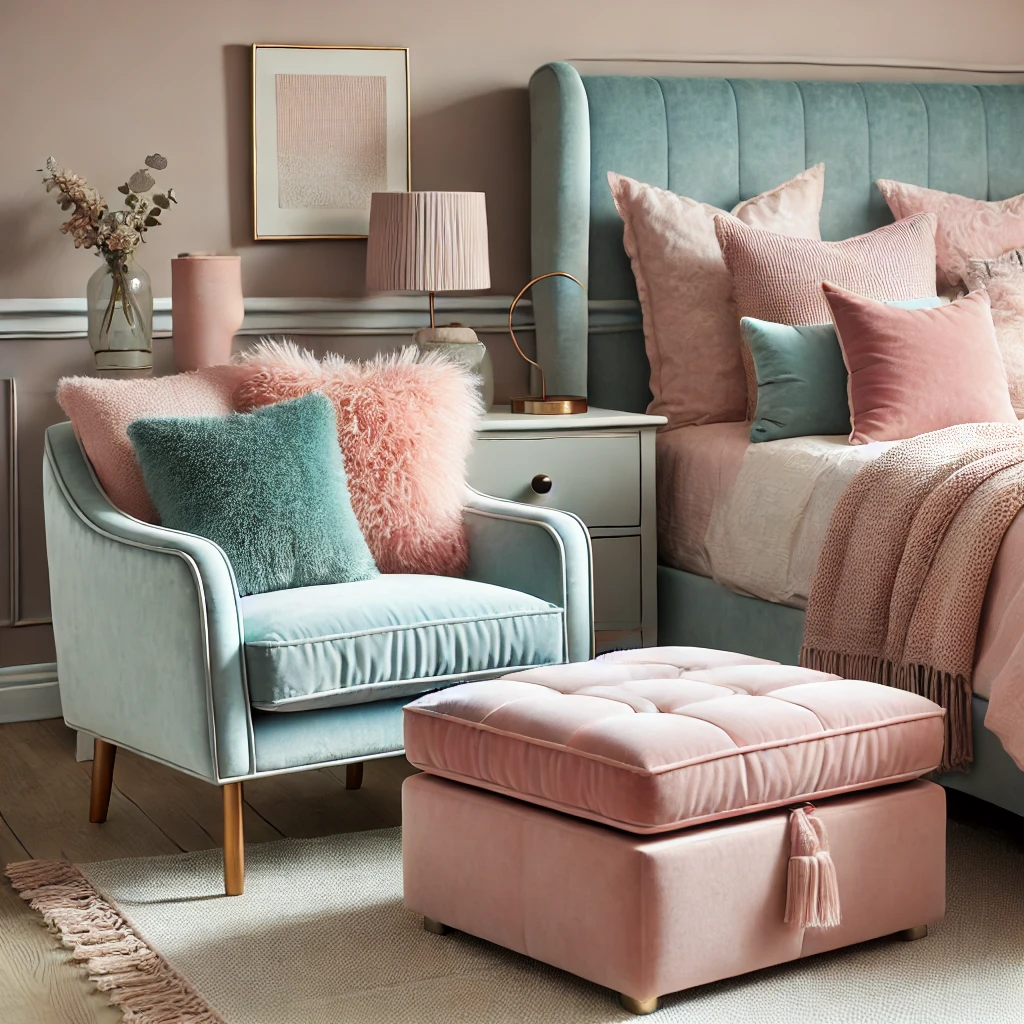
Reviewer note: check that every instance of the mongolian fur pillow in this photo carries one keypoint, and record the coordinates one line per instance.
(405, 425)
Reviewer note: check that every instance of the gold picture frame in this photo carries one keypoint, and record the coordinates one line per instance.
(298, 171)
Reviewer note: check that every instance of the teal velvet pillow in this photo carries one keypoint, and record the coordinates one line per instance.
(801, 377)
(267, 486)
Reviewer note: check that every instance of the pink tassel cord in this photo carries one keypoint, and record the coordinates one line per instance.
(812, 889)
(118, 961)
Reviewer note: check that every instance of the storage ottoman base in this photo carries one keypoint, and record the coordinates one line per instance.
(649, 915)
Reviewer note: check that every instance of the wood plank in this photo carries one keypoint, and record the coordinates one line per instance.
(45, 801)
(186, 809)
(381, 791)
(304, 805)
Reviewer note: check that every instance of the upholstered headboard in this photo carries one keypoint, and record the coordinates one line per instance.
(722, 140)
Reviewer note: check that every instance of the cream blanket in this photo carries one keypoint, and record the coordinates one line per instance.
(901, 580)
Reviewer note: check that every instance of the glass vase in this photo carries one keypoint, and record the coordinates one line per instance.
(120, 301)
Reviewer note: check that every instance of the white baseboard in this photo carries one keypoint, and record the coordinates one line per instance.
(29, 693)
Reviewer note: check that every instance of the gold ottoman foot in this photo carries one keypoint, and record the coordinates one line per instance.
(430, 925)
(912, 934)
(638, 1006)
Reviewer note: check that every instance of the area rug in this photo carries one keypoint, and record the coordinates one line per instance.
(321, 937)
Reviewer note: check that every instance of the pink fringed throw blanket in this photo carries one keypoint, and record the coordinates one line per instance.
(900, 584)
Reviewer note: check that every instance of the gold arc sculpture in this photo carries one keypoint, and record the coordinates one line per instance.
(545, 405)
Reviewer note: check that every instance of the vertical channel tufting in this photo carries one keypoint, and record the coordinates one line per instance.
(928, 133)
(988, 164)
(668, 136)
(739, 139)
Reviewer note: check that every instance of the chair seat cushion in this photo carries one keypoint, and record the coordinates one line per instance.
(394, 636)
(664, 738)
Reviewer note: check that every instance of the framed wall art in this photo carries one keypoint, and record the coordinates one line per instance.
(330, 126)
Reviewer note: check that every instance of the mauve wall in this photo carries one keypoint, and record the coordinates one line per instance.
(100, 84)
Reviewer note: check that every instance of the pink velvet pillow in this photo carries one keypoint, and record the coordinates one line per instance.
(101, 409)
(406, 425)
(777, 278)
(691, 329)
(916, 370)
(966, 227)
(1003, 279)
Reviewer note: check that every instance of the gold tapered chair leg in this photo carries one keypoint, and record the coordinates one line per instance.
(234, 840)
(430, 925)
(640, 1007)
(913, 934)
(354, 775)
(102, 779)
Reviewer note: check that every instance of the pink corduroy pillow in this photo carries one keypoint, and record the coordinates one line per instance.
(691, 330)
(406, 425)
(777, 278)
(966, 227)
(101, 409)
(916, 370)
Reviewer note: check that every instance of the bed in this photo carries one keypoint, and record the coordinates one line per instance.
(720, 141)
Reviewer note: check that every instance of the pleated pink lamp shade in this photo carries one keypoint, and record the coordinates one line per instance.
(427, 242)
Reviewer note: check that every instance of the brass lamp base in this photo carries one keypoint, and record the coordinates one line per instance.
(552, 405)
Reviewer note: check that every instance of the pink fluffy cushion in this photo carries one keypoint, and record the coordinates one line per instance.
(916, 370)
(966, 227)
(100, 411)
(691, 329)
(778, 278)
(406, 425)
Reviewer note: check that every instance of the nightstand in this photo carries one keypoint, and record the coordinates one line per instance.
(600, 465)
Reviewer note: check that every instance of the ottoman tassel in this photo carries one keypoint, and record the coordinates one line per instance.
(812, 890)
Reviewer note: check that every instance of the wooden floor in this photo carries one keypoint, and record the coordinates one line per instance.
(44, 805)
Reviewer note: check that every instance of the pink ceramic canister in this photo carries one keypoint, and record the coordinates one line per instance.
(206, 309)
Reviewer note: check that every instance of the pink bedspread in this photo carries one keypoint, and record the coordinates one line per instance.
(697, 468)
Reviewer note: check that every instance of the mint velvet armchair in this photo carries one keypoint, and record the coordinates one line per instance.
(158, 654)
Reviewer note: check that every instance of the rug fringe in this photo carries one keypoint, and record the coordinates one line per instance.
(117, 960)
(948, 690)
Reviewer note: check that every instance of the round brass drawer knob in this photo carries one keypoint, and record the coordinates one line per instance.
(541, 483)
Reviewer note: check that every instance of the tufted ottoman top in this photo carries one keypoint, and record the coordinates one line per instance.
(663, 738)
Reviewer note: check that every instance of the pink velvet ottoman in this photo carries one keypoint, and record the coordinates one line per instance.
(645, 820)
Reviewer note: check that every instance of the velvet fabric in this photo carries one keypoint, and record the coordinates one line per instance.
(406, 425)
(697, 370)
(721, 141)
(390, 636)
(268, 487)
(663, 738)
(966, 227)
(800, 377)
(778, 278)
(649, 915)
(913, 371)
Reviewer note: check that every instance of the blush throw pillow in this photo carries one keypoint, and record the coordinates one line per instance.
(778, 278)
(406, 425)
(691, 330)
(267, 486)
(1003, 280)
(966, 227)
(100, 411)
(916, 370)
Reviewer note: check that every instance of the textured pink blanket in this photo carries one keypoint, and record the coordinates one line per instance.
(901, 581)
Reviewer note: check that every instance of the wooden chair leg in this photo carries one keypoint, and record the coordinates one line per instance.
(354, 775)
(234, 840)
(102, 779)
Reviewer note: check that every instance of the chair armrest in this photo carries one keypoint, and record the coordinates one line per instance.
(147, 628)
(539, 551)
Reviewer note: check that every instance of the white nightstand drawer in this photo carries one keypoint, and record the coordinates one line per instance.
(617, 601)
(597, 476)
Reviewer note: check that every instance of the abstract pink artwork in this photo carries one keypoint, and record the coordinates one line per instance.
(331, 140)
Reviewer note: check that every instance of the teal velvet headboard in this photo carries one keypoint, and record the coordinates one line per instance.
(720, 141)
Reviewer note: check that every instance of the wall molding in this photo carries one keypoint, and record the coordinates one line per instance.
(29, 693)
(385, 315)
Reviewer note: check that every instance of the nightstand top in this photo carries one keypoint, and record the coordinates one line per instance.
(500, 418)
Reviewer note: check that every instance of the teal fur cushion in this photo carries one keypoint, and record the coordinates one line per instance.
(801, 377)
(267, 486)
